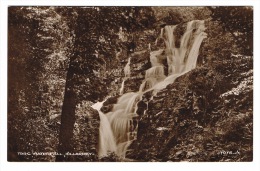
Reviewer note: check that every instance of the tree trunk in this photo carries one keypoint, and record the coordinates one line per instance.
(67, 118)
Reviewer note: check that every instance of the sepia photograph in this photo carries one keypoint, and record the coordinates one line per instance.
(130, 83)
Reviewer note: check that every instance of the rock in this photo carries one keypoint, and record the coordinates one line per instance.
(106, 109)
(111, 100)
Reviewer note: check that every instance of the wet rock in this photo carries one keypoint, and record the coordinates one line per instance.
(107, 108)
(108, 104)
(111, 100)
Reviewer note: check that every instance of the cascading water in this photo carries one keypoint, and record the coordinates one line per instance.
(106, 143)
(127, 73)
(118, 128)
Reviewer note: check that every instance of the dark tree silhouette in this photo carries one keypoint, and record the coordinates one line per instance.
(96, 31)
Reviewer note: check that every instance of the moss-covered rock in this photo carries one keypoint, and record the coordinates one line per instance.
(197, 118)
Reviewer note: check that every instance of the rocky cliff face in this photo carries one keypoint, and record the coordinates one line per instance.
(205, 115)
(137, 48)
(202, 116)
(191, 120)
(139, 64)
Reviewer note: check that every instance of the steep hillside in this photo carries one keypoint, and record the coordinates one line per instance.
(130, 83)
(205, 115)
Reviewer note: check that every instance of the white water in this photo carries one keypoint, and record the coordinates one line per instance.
(118, 128)
(106, 144)
(127, 73)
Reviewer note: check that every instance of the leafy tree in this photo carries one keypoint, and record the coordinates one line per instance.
(37, 45)
(239, 22)
(96, 35)
(39, 41)
(24, 74)
(176, 15)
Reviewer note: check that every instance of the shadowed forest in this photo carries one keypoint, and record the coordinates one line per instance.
(186, 71)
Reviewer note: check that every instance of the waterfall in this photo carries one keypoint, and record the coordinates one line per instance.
(106, 143)
(118, 128)
(127, 73)
(121, 118)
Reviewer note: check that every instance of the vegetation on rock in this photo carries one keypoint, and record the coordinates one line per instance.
(61, 60)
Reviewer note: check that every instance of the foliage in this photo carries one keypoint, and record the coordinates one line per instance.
(195, 119)
(201, 111)
(218, 46)
(176, 15)
(39, 42)
(96, 33)
(206, 112)
(239, 22)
